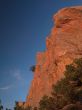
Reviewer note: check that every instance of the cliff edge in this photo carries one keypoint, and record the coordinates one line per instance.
(62, 46)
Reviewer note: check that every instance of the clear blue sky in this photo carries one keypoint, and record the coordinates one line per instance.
(24, 25)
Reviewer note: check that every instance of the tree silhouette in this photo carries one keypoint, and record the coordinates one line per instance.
(1, 106)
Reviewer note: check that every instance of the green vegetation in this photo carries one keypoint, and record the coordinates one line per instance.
(32, 68)
(44, 103)
(67, 91)
(18, 107)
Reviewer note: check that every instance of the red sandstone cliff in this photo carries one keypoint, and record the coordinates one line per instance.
(62, 45)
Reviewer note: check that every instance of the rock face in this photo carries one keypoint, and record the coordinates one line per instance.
(62, 46)
(73, 107)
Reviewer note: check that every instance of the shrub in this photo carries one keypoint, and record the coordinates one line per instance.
(32, 68)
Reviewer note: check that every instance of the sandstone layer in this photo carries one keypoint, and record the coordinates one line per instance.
(62, 46)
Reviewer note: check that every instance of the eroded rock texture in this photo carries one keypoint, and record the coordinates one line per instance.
(62, 45)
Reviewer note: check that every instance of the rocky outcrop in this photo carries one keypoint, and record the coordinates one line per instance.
(62, 46)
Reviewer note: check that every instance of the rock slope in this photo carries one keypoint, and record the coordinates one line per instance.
(62, 45)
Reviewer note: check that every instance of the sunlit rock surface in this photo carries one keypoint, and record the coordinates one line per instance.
(62, 45)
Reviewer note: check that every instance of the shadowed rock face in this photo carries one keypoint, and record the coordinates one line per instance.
(62, 46)
(73, 107)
